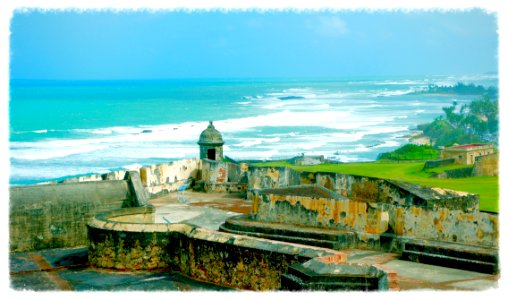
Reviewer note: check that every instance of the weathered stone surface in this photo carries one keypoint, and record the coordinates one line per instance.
(140, 196)
(466, 154)
(443, 219)
(210, 144)
(115, 175)
(84, 178)
(322, 275)
(459, 256)
(314, 236)
(168, 177)
(215, 171)
(272, 177)
(366, 189)
(487, 165)
(220, 258)
(51, 216)
(227, 187)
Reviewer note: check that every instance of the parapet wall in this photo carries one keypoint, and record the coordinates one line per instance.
(168, 177)
(363, 189)
(429, 164)
(422, 220)
(272, 177)
(487, 165)
(55, 215)
(225, 259)
(157, 179)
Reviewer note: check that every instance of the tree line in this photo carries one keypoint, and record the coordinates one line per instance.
(461, 88)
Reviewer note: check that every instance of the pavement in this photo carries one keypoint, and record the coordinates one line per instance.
(67, 269)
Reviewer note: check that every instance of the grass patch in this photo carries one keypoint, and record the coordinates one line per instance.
(411, 152)
(486, 187)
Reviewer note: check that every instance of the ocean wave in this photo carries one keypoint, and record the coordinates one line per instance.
(249, 142)
(392, 93)
(178, 140)
(132, 167)
(40, 131)
(255, 154)
(399, 82)
(347, 158)
(43, 172)
(42, 154)
(387, 144)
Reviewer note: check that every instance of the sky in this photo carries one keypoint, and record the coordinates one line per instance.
(106, 44)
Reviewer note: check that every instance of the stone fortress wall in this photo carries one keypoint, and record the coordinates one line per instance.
(373, 205)
(55, 215)
(486, 165)
(220, 258)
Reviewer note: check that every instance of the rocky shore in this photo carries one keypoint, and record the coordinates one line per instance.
(417, 137)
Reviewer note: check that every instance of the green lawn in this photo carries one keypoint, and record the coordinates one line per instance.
(486, 187)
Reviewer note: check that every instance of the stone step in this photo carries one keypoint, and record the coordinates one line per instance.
(321, 237)
(460, 256)
(287, 238)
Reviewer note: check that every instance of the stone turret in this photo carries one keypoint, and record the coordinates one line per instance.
(210, 143)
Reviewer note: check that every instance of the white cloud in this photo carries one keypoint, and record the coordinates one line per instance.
(329, 26)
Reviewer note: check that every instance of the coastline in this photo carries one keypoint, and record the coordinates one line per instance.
(417, 137)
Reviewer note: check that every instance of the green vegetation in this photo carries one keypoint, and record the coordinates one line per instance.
(441, 133)
(411, 152)
(460, 89)
(486, 187)
(476, 122)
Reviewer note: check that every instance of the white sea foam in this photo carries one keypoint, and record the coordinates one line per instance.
(51, 149)
(249, 142)
(387, 144)
(178, 140)
(255, 154)
(42, 172)
(132, 167)
(392, 93)
(399, 82)
(101, 131)
(41, 131)
(347, 158)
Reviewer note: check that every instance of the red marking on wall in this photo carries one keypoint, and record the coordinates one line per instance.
(221, 175)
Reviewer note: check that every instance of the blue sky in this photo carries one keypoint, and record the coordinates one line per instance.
(158, 45)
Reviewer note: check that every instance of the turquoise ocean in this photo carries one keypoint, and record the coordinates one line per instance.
(66, 128)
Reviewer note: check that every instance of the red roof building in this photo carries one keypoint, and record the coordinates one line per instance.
(466, 154)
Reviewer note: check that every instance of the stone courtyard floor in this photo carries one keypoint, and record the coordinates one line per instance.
(66, 269)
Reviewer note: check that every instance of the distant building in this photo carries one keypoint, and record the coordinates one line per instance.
(466, 154)
(307, 160)
(210, 144)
